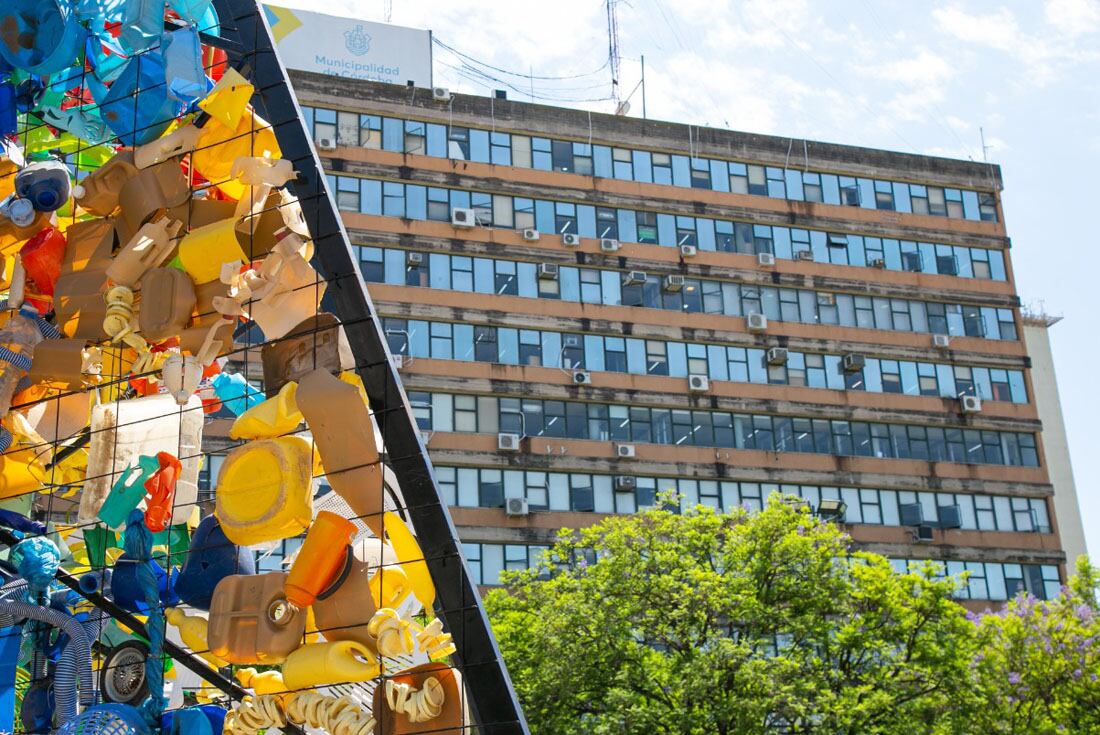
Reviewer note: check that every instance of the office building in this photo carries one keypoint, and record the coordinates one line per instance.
(590, 310)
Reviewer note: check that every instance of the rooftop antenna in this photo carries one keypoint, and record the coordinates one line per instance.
(387, 10)
(613, 52)
(985, 148)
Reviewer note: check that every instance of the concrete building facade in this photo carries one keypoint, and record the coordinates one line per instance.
(591, 310)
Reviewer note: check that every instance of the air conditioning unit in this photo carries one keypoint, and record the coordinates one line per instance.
(414, 259)
(804, 255)
(624, 451)
(516, 507)
(441, 94)
(570, 239)
(548, 271)
(398, 361)
(508, 442)
(530, 234)
(853, 362)
(674, 282)
(765, 259)
(609, 245)
(756, 322)
(571, 340)
(582, 377)
(878, 263)
(326, 144)
(912, 514)
(777, 356)
(924, 534)
(625, 483)
(698, 383)
(689, 251)
(941, 341)
(970, 404)
(950, 516)
(462, 217)
(634, 278)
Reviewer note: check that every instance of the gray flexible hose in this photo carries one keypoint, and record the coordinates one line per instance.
(76, 660)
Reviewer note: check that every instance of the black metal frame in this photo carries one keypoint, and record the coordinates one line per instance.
(492, 697)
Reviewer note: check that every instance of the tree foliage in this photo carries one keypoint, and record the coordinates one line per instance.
(703, 622)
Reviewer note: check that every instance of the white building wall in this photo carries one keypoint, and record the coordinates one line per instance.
(1044, 383)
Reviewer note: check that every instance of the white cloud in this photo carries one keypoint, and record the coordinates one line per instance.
(924, 69)
(998, 30)
(1073, 17)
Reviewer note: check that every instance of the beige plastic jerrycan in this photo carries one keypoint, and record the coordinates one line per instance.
(98, 192)
(167, 300)
(251, 622)
(340, 420)
(149, 247)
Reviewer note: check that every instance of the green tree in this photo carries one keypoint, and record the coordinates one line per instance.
(707, 623)
(1037, 666)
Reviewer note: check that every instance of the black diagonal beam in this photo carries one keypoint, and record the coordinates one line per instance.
(492, 696)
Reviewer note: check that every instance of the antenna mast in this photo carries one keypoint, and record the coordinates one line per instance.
(613, 52)
(387, 10)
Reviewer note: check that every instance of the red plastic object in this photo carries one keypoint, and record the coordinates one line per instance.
(42, 256)
(161, 489)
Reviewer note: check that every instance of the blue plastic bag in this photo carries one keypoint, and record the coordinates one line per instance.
(137, 107)
(183, 64)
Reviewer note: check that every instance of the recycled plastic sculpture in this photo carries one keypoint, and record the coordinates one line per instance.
(145, 222)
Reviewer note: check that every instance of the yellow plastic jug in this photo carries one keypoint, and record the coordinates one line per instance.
(411, 558)
(19, 472)
(220, 145)
(274, 417)
(261, 682)
(323, 664)
(265, 490)
(203, 250)
(192, 630)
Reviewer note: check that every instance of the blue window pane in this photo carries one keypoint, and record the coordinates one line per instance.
(484, 276)
(719, 175)
(370, 197)
(628, 227)
(593, 352)
(867, 193)
(508, 345)
(794, 185)
(997, 265)
(395, 267)
(612, 288)
(439, 270)
(902, 202)
(705, 233)
(831, 187)
(601, 161)
(666, 229)
(1017, 387)
(479, 146)
(681, 171)
(325, 116)
(970, 205)
(586, 220)
(393, 135)
(526, 274)
(635, 356)
(393, 199)
(677, 359)
(544, 216)
(416, 202)
(717, 364)
(570, 284)
(945, 378)
(643, 166)
(437, 140)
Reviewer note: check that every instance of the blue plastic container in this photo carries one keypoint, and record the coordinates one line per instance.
(211, 558)
(45, 184)
(236, 393)
(137, 107)
(56, 37)
(126, 590)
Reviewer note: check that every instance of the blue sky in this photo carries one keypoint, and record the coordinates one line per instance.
(915, 77)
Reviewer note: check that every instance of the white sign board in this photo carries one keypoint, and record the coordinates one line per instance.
(346, 47)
